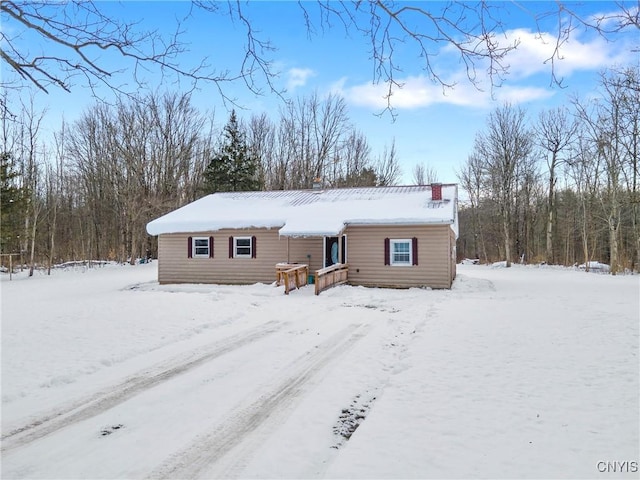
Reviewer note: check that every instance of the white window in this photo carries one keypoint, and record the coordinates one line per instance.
(242, 247)
(401, 252)
(200, 247)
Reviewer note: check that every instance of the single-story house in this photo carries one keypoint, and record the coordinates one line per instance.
(401, 236)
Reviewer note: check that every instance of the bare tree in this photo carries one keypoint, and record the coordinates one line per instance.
(624, 89)
(32, 159)
(424, 174)
(54, 173)
(136, 161)
(260, 136)
(311, 134)
(584, 169)
(471, 179)
(527, 197)
(504, 145)
(353, 165)
(612, 128)
(387, 167)
(89, 149)
(554, 133)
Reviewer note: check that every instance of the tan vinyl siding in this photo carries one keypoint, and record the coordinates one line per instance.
(366, 256)
(452, 247)
(174, 266)
(299, 248)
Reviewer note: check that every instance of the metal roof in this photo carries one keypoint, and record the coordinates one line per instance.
(313, 212)
(303, 197)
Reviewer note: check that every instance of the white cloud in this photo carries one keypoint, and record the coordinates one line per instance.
(416, 92)
(535, 52)
(420, 92)
(516, 95)
(297, 77)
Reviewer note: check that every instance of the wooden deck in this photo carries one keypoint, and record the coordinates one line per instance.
(296, 275)
(330, 276)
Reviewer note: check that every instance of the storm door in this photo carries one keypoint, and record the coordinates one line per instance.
(333, 251)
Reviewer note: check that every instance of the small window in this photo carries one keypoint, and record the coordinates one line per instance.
(401, 252)
(242, 247)
(200, 247)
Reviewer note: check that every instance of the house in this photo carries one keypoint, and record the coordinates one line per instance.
(399, 237)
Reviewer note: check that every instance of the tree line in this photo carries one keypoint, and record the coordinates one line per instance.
(89, 192)
(561, 188)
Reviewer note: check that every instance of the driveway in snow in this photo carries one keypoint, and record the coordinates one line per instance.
(522, 372)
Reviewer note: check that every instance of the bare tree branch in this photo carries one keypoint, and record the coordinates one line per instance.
(79, 31)
(76, 34)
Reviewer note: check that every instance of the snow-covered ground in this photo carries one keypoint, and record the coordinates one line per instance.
(515, 373)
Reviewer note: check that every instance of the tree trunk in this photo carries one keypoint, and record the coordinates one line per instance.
(613, 242)
(51, 249)
(33, 245)
(550, 215)
(507, 239)
(585, 237)
(133, 248)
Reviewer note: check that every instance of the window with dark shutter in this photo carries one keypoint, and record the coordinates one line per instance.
(230, 247)
(210, 247)
(401, 252)
(201, 247)
(190, 247)
(242, 247)
(253, 247)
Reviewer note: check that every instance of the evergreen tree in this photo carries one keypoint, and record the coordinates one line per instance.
(233, 168)
(11, 198)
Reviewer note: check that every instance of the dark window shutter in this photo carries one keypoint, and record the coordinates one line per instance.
(253, 247)
(387, 253)
(190, 247)
(414, 250)
(344, 249)
(210, 247)
(230, 247)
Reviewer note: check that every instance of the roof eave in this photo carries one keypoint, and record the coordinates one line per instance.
(362, 223)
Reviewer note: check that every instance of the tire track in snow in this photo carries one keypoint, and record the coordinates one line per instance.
(207, 449)
(145, 379)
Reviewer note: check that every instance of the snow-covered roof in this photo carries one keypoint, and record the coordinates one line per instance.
(305, 213)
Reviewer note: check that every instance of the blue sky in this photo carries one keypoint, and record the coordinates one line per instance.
(430, 126)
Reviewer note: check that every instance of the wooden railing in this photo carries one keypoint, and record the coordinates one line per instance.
(330, 276)
(291, 275)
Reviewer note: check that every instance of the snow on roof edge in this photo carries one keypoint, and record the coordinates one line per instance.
(205, 226)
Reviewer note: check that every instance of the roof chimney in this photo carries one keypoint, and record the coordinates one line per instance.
(436, 191)
(317, 183)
